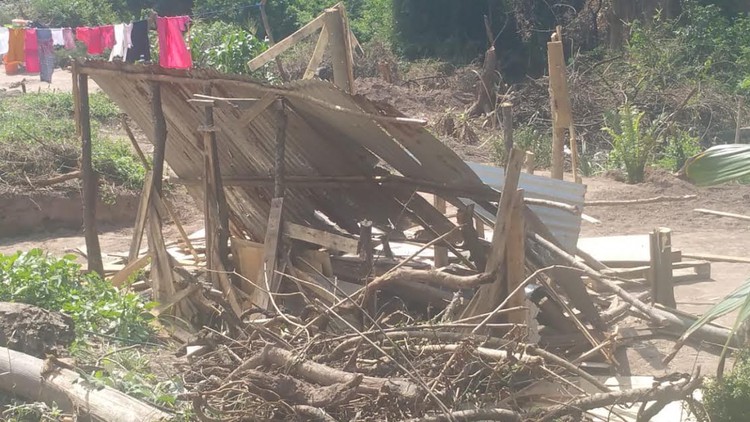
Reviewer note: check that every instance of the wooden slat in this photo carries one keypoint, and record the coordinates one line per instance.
(258, 108)
(317, 56)
(284, 44)
(124, 274)
(140, 217)
(515, 256)
(268, 270)
(319, 237)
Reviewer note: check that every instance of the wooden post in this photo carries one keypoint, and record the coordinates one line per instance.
(267, 273)
(515, 259)
(507, 109)
(662, 286)
(280, 167)
(530, 162)
(162, 279)
(216, 214)
(574, 153)
(271, 42)
(441, 252)
(738, 130)
(559, 102)
(90, 182)
(339, 45)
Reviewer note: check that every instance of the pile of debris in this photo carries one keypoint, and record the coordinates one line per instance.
(354, 267)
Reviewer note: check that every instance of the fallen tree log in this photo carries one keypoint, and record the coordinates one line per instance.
(34, 380)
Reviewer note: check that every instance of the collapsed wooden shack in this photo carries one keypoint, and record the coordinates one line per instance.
(326, 213)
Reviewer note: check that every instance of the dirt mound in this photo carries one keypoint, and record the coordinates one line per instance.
(663, 181)
(425, 104)
(33, 330)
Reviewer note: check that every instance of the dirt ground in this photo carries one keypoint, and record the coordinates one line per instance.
(692, 232)
(61, 81)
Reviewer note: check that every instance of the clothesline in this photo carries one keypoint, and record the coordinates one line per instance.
(129, 42)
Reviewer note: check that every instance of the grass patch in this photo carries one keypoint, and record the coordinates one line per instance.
(38, 140)
(38, 279)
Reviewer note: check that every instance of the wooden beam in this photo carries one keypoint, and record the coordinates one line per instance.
(490, 296)
(317, 56)
(140, 217)
(90, 180)
(441, 252)
(662, 285)
(339, 47)
(322, 238)
(287, 42)
(162, 278)
(252, 113)
(124, 274)
(216, 215)
(515, 258)
(723, 214)
(280, 159)
(267, 273)
(717, 258)
(559, 103)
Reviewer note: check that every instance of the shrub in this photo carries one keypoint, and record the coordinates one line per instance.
(633, 140)
(728, 400)
(224, 46)
(114, 160)
(527, 139)
(680, 146)
(36, 278)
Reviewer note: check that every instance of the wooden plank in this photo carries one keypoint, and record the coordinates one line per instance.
(662, 286)
(248, 261)
(267, 273)
(140, 217)
(317, 56)
(258, 108)
(490, 296)
(287, 42)
(717, 258)
(90, 182)
(662, 198)
(723, 214)
(441, 252)
(162, 279)
(515, 257)
(339, 48)
(325, 239)
(216, 217)
(175, 299)
(124, 274)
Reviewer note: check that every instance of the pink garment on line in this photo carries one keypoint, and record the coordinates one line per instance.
(92, 37)
(108, 36)
(173, 52)
(68, 39)
(31, 52)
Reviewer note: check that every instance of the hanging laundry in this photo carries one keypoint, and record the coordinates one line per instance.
(31, 51)
(57, 36)
(16, 41)
(4, 38)
(108, 35)
(120, 47)
(140, 47)
(46, 54)
(69, 42)
(173, 52)
(128, 37)
(92, 37)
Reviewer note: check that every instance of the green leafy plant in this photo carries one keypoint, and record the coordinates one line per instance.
(224, 46)
(728, 400)
(633, 140)
(679, 148)
(528, 139)
(96, 306)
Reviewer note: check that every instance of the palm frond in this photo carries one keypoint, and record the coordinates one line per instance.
(718, 164)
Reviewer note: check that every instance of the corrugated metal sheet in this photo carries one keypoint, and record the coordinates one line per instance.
(564, 225)
(321, 141)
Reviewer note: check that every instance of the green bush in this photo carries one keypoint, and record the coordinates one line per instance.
(36, 278)
(114, 160)
(679, 147)
(223, 46)
(633, 140)
(728, 400)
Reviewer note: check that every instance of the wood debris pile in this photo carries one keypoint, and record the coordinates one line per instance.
(354, 267)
